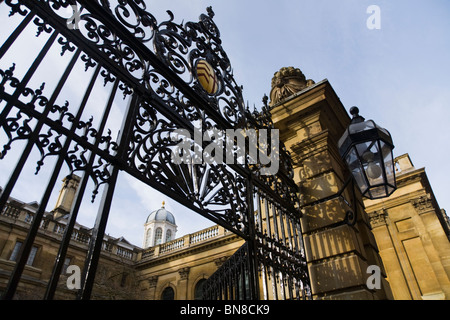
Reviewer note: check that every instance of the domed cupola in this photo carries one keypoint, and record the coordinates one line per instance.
(160, 227)
(161, 215)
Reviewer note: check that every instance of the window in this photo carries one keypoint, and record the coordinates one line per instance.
(158, 236)
(198, 291)
(32, 256)
(168, 235)
(28, 217)
(168, 294)
(148, 237)
(15, 253)
(123, 281)
(66, 265)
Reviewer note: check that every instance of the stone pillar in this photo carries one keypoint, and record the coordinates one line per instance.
(311, 121)
(182, 285)
(152, 283)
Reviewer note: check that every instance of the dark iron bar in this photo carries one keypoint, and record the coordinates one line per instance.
(260, 230)
(95, 245)
(283, 247)
(105, 206)
(252, 245)
(271, 250)
(7, 44)
(15, 174)
(59, 261)
(26, 247)
(96, 241)
(278, 248)
(28, 76)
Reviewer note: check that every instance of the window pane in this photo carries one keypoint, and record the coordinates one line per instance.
(148, 237)
(158, 236)
(15, 251)
(168, 235)
(168, 294)
(66, 265)
(32, 256)
(198, 293)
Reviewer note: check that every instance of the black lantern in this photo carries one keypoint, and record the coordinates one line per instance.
(367, 150)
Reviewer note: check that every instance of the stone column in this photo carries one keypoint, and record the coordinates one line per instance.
(182, 286)
(152, 283)
(311, 121)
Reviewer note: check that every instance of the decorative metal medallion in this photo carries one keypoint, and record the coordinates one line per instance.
(207, 77)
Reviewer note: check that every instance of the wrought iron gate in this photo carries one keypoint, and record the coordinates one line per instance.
(160, 69)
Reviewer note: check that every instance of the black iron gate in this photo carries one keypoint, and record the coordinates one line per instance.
(172, 76)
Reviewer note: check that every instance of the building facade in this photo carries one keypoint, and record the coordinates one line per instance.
(412, 233)
(115, 274)
(166, 268)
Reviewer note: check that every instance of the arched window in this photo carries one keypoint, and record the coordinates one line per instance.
(168, 294)
(148, 237)
(198, 291)
(168, 235)
(158, 236)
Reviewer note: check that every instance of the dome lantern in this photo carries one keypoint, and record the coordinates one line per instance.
(160, 227)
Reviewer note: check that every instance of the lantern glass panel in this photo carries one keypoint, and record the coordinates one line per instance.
(372, 163)
(355, 167)
(361, 126)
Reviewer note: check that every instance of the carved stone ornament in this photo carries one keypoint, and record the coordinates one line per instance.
(153, 281)
(422, 204)
(377, 218)
(184, 272)
(286, 82)
(220, 261)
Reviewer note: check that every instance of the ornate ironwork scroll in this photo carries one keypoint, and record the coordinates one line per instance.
(172, 76)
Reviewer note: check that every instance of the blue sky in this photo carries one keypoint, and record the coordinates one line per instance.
(397, 75)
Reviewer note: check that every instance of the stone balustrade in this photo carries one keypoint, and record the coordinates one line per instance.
(184, 242)
(81, 236)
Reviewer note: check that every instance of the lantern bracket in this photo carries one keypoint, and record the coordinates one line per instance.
(352, 210)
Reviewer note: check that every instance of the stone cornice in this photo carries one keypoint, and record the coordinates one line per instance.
(320, 95)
